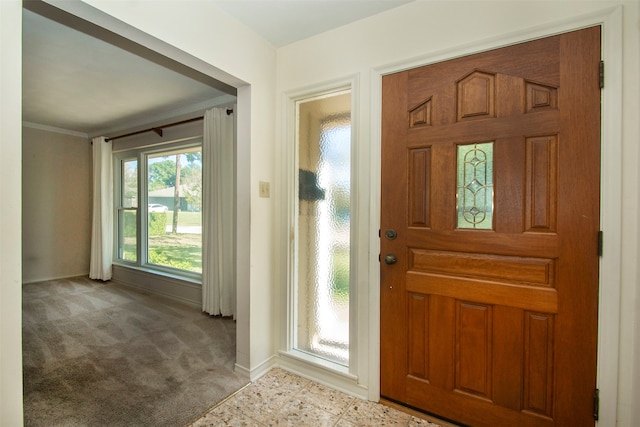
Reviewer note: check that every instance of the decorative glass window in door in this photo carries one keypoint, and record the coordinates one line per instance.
(475, 186)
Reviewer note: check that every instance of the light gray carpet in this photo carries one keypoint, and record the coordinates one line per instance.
(97, 354)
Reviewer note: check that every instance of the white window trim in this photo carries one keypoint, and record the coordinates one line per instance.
(348, 379)
(141, 154)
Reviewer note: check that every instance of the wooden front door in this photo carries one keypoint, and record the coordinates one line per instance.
(489, 234)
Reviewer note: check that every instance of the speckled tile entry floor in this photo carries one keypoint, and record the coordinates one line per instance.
(281, 398)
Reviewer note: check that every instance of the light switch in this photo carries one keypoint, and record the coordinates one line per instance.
(264, 189)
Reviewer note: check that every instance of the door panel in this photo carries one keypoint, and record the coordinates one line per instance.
(490, 176)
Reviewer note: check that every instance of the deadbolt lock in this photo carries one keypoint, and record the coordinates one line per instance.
(391, 234)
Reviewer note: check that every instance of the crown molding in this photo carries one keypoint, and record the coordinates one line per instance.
(55, 129)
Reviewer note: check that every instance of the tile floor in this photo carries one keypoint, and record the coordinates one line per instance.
(280, 398)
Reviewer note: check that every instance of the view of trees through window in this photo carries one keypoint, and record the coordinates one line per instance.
(128, 212)
(171, 236)
(174, 185)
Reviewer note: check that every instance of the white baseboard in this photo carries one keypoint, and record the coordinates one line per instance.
(245, 372)
(263, 368)
(343, 382)
(66, 276)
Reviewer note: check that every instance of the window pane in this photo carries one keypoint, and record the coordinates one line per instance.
(174, 227)
(127, 213)
(127, 232)
(324, 158)
(475, 186)
(129, 184)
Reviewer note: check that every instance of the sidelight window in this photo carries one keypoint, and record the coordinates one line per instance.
(323, 227)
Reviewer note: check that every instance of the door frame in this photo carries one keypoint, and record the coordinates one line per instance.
(610, 20)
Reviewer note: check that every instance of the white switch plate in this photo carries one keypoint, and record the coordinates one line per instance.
(264, 189)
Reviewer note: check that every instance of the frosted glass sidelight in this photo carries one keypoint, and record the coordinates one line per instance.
(323, 227)
(475, 186)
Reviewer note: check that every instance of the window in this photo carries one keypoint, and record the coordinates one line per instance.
(474, 194)
(159, 209)
(322, 253)
(128, 211)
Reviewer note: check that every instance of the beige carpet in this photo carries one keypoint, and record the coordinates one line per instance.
(97, 354)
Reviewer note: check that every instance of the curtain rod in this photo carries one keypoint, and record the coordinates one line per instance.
(158, 129)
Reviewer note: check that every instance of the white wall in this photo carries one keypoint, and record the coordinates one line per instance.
(630, 330)
(213, 43)
(425, 31)
(56, 205)
(410, 32)
(244, 60)
(10, 252)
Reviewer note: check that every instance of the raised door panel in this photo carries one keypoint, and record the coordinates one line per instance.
(480, 323)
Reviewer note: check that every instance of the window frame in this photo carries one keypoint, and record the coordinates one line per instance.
(291, 355)
(141, 155)
(118, 162)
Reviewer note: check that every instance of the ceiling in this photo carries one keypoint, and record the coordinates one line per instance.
(282, 22)
(77, 82)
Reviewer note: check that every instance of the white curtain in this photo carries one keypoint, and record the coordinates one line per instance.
(218, 207)
(102, 223)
